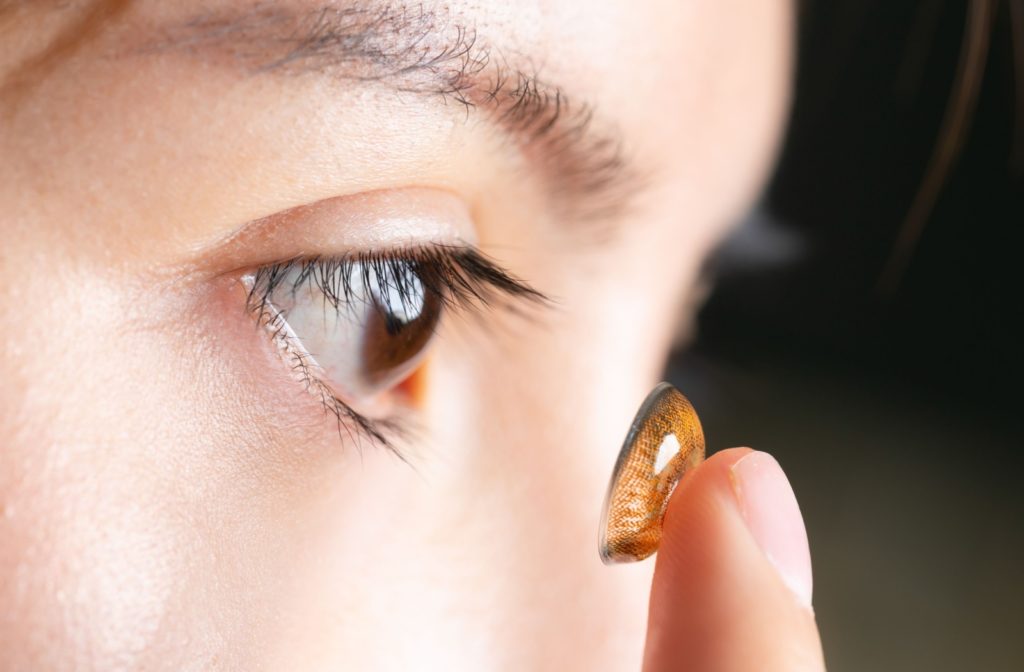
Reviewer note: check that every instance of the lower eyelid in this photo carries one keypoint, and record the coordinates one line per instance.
(380, 423)
(247, 381)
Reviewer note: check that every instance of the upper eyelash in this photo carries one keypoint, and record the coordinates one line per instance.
(459, 277)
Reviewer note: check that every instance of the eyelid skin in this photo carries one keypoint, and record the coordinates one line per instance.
(374, 220)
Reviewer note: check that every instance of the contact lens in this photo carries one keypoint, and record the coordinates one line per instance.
(664, 441)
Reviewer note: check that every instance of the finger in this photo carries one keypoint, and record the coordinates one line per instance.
(732, 581)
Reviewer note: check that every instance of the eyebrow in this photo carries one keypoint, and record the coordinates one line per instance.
(413, 49)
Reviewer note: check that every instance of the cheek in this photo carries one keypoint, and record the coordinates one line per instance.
(146, 492)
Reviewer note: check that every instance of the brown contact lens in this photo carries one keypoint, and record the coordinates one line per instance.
(664, 441)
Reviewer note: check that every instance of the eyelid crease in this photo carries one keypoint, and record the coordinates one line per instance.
(461, 277)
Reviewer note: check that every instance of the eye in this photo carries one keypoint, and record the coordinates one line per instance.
(365, 323)
(353, 327)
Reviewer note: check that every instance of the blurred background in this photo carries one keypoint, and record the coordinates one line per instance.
(865, 328)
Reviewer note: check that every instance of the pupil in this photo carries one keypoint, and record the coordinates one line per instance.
(392, 324)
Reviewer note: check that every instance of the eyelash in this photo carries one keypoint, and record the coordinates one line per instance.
(461, 278)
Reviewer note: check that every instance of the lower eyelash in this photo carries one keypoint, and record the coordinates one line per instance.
(460, 277)
(305, 370)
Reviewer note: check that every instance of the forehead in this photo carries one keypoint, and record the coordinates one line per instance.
(675, 86)
(553, 42)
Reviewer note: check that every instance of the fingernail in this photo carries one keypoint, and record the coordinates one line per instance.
(769, 508)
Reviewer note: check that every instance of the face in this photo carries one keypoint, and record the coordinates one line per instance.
(322, 325)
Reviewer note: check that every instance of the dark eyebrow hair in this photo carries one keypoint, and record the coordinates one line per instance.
(416, 50)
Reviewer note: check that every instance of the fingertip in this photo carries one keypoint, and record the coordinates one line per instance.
(717, 600)
(690, 506)
(770, 510)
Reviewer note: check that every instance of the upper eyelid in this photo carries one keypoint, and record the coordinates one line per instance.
(389, 220)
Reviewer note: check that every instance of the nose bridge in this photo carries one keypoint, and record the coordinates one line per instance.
(538, 451)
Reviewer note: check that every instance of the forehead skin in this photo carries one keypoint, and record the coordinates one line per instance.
(166, 502)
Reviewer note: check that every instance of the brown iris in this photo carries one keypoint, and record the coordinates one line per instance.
(397, 329)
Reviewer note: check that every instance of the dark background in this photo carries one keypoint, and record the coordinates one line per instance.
(895, 411)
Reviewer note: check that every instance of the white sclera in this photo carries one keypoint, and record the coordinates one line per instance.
(336, 337)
